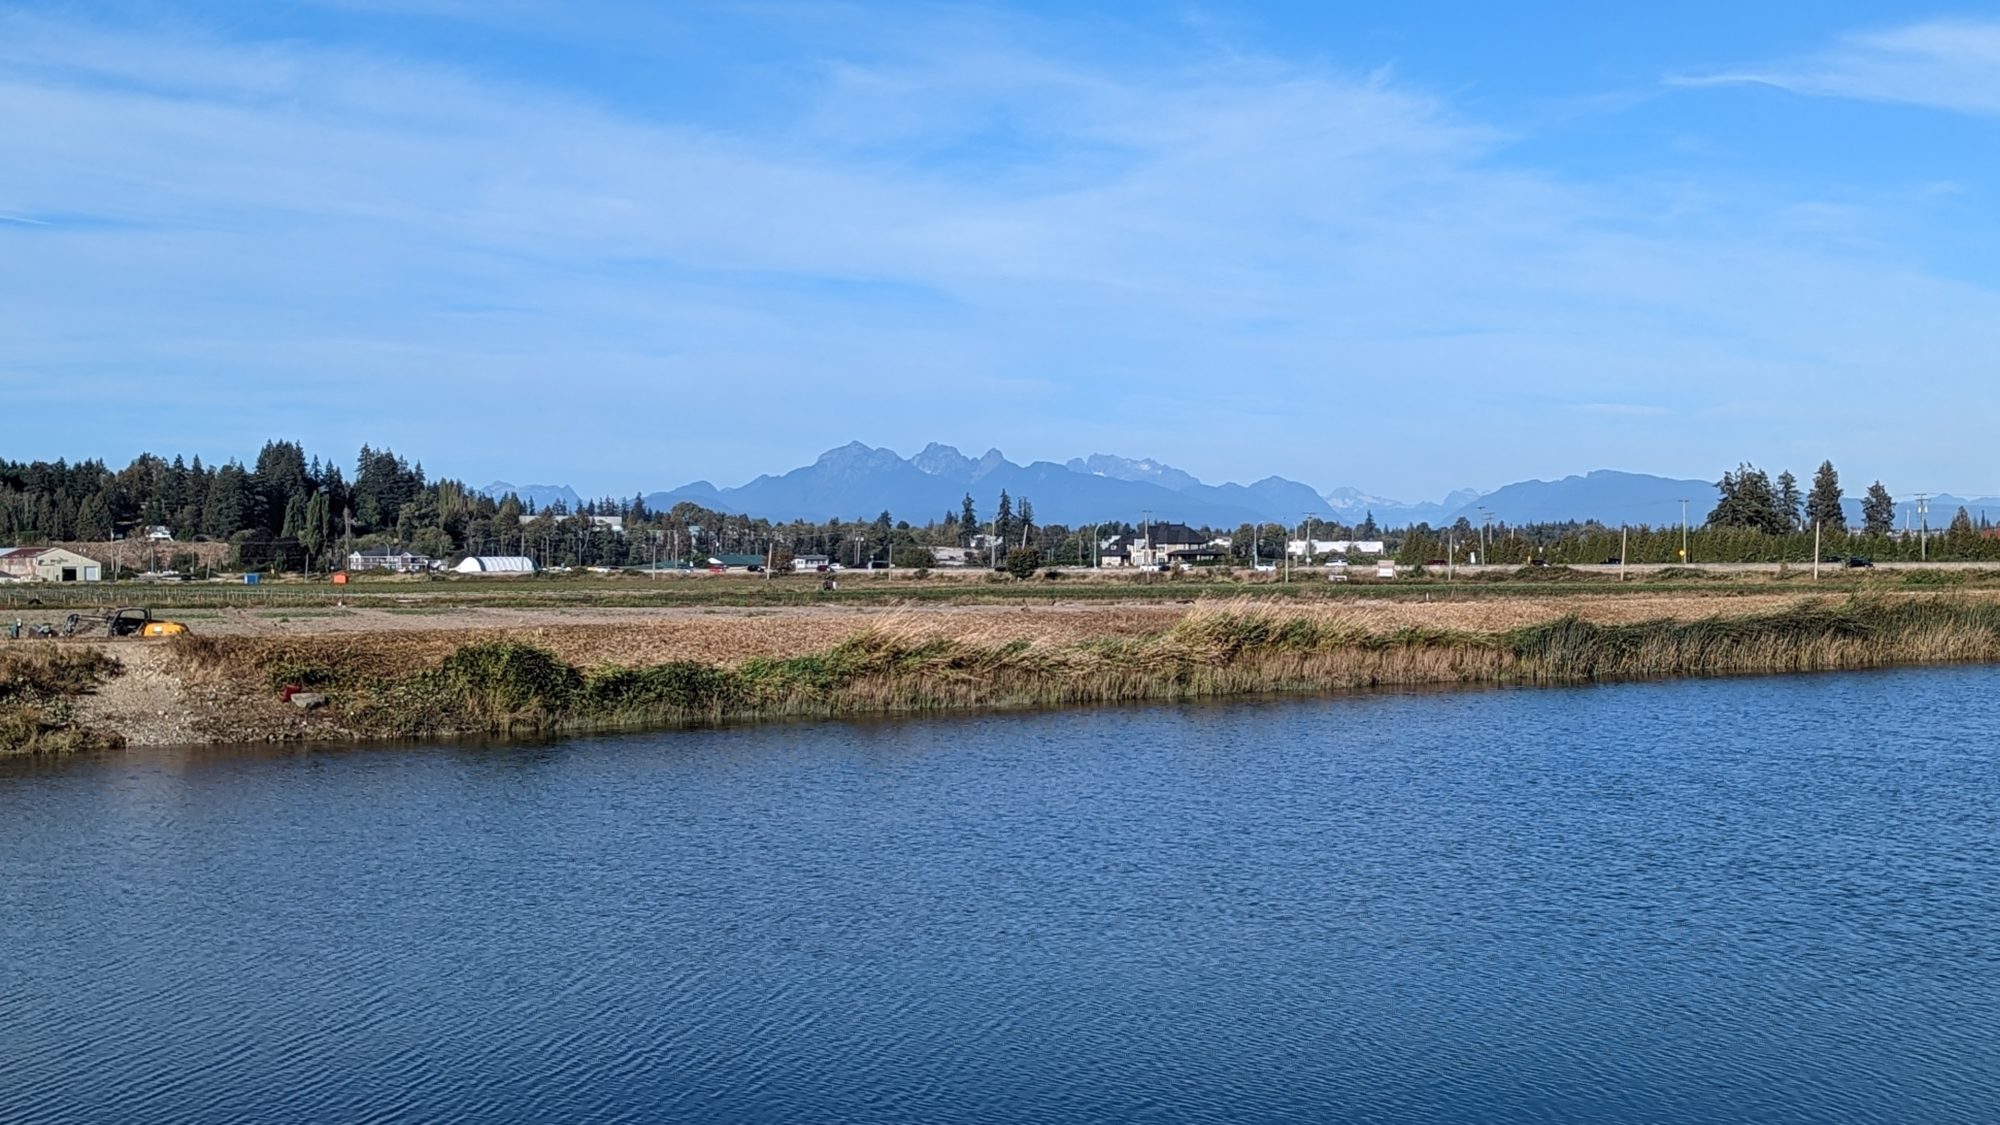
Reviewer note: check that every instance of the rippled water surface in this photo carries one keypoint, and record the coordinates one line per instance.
(1771, 900)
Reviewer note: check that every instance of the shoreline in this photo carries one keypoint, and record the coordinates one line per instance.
(753, 666)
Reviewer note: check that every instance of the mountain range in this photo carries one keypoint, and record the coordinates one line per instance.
(540, 495)
(857, 481)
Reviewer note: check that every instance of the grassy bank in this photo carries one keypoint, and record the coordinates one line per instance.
(39, 690)
(903, 665)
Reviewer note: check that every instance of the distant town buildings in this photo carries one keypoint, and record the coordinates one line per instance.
(1298, 548)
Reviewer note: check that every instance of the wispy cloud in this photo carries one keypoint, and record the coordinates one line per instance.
(1949, 64)
(958, 234)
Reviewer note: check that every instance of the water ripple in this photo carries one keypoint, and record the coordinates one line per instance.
(1727, 900)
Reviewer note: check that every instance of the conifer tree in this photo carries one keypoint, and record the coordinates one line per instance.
(1878, 511)
(1790, 501)
(1823, 503)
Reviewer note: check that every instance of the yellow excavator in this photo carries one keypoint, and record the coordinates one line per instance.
(140, 623)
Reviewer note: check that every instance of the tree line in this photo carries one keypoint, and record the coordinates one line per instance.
(1748, 499)
(288, 510)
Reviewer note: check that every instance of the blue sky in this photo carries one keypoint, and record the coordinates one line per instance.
(1405, 247)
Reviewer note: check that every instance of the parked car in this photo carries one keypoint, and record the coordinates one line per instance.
(1538, 562)
(1859, 561)
(1615, 560)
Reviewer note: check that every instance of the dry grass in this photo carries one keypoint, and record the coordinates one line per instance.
(39, 687)
(748, 665)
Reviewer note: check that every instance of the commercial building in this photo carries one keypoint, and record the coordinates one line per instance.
(49, 564)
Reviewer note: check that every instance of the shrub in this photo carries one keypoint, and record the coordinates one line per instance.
(684, 687)
(505, 681)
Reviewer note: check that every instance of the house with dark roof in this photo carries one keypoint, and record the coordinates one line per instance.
(1157, 543)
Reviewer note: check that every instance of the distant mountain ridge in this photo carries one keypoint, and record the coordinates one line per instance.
(541, 495)
(858, 481)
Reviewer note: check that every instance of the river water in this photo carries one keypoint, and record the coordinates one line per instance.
(1768, 899)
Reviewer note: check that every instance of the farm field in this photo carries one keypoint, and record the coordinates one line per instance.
(408, 595)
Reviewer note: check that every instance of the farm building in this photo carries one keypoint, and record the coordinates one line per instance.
(495, 564)
(49, 564)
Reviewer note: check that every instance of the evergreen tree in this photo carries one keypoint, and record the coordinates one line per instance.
(1961, 532)
(1367, 530)
(1003, 520)
(278, 480)
(295, 517)
(227, 510)
(1727, 507)
(1027, 519)
(1746, 500)
(1823, 503)
(316, 530)
(1878, 511)
(968, 520)
(93, 519)
(1790, 501)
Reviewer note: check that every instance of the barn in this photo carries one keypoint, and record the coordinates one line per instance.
(49, 564)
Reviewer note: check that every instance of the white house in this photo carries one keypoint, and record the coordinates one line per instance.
(614, 523)
(388, 558)
(495, 564)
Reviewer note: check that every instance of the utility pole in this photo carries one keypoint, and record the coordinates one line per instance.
(1684, 532)
(1309, 538)
(1924, 527)
(1624, 549)
(1815, 550)
(1146, 533)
